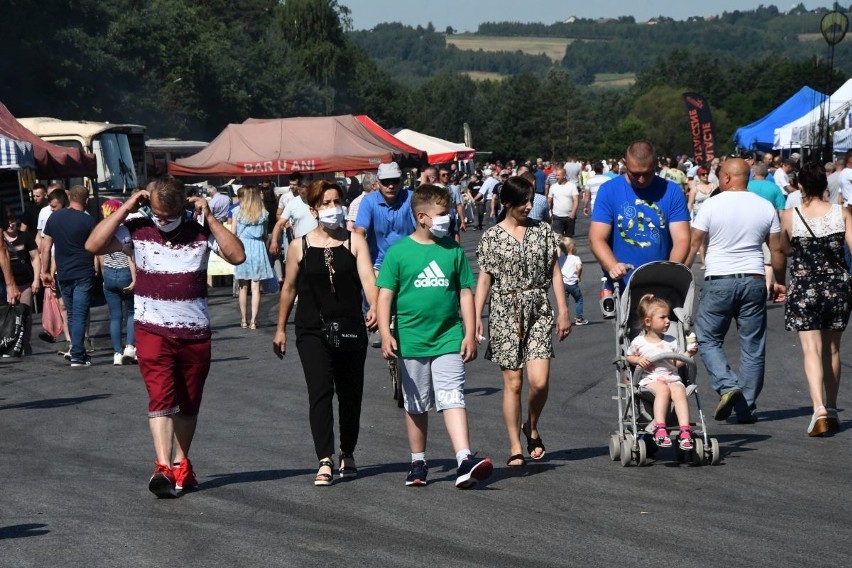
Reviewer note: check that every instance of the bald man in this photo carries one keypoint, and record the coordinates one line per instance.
(736, 223)
(638, 217)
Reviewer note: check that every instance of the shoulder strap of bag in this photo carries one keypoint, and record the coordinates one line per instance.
(304, 263)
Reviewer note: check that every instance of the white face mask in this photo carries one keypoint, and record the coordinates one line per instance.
(168, 227)
(440, 225)
(331, 218)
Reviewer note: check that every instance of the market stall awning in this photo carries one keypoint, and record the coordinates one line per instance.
(262, 147)
(51, 160)
(440, 151)
(807, 129)
(760, 135)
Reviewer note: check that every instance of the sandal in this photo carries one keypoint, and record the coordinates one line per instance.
(243, 324)
(661, 436)
(532, 443)
(833, 420)
(516, 457)
(324, 479)
(253, 325)
(819, 424)
(348, 469)
(684, 439)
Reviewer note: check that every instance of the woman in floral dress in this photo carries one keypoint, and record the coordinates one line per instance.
(517, 262)
(818, 293)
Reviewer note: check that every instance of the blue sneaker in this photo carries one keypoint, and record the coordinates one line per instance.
(417, 475)
(472, 470)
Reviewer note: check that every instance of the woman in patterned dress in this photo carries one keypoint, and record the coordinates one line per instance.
(517, 263)
(818, 293)
(249, 224)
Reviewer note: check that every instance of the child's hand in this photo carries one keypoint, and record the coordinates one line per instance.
(389, 347)
(645, 363)
(468, 349)
(692, 349)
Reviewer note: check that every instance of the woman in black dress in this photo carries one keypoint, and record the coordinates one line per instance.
(818, 293)
(328, 268)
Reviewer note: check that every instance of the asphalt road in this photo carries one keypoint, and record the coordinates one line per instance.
(75, 456)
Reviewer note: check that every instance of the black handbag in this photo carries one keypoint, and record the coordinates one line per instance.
(13, 320)
(340, 334)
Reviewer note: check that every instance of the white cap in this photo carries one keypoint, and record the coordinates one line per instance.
(487, 172)
(389, 171)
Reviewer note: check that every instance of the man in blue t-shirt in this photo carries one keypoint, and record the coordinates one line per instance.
(638, 217)
(385, 216)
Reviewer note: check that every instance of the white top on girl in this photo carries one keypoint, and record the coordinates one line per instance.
(664, 371)
(569, 264)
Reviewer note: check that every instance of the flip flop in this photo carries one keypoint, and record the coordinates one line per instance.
(532, 443)
(515, 458)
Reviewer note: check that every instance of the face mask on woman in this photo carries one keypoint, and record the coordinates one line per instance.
(331, 218)
(440, 225)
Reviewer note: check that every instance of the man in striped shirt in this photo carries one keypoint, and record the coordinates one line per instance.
(172, 322)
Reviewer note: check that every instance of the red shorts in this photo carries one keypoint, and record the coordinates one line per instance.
(174, 371)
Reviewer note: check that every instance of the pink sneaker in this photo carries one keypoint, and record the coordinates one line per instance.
(162, 482)
(185, 476)
(685, 439)
(661, 436)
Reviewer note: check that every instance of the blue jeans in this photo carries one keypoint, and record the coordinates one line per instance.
(115, 280)
(573, 291)
(77, 295)
(744, 301)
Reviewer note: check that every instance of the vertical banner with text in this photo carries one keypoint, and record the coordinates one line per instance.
(701, 127)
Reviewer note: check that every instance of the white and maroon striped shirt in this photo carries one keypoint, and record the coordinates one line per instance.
(171, 278)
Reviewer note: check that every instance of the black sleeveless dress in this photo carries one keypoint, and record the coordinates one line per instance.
(316, 295)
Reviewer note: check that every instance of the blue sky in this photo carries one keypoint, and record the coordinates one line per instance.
(466, 15)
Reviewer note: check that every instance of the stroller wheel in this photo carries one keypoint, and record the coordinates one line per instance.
(698, 452)
(614, 447)
(643, 452)
(715, 454)
(627, 450)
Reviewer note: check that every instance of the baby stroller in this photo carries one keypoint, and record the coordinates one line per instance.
(633, 441)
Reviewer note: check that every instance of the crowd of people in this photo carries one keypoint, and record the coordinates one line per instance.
(384, 257)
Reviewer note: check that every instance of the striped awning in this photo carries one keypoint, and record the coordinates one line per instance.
(842, 140)
(15, 154)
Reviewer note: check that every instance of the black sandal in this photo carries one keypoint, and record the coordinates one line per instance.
(532, 443)
(348, 470)
(515, 458)
(324, 479)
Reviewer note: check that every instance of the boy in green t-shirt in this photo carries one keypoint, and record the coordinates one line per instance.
(431, 280)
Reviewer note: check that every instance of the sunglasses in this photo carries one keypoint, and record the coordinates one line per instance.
(390, 181)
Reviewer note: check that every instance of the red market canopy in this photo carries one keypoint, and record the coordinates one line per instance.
(51, 160)
(262, 147)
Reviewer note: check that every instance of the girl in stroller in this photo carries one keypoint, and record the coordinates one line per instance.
(662, 377)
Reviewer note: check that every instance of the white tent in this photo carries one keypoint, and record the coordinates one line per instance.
(805, 130)
(438, 150)
(843, 141)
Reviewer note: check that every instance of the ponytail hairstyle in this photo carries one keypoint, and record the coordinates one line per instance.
(515, 191)
(648, 303)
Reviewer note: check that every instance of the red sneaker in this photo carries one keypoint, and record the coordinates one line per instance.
(185, 476)
(162, 482)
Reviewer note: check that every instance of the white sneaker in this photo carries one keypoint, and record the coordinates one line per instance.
(118, 359)
(130, 354)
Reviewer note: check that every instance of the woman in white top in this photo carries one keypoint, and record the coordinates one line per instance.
(818, 302)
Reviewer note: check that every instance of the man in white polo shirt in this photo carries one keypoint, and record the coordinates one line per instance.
(563, 200)
(736, 223)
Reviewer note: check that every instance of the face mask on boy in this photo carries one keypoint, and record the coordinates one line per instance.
(440, 225)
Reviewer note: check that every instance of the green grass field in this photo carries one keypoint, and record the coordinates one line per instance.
(614, 79)
(552, 47)
(484, 76)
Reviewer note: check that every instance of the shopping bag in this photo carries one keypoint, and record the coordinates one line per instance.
(51, 317)
(13, 319)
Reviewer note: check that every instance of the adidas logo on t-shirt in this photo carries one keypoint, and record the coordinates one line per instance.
(431, 277)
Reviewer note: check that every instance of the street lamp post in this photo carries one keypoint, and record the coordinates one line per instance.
(833, 27)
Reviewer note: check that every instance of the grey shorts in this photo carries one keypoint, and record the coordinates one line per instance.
(432, 382)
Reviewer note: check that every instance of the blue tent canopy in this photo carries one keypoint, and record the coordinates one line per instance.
(760, 135)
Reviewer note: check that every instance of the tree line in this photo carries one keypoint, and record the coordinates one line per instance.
(186, 68)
